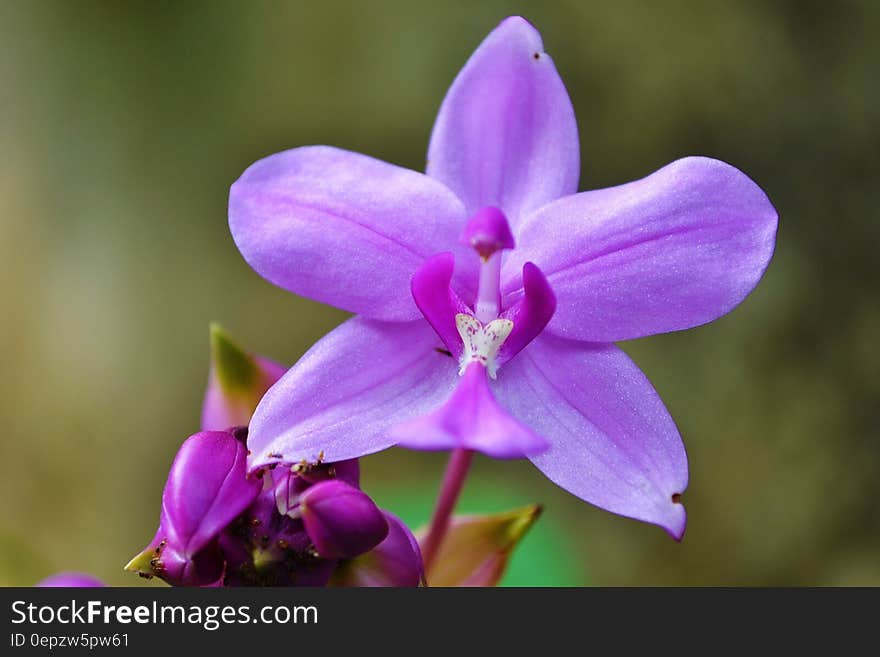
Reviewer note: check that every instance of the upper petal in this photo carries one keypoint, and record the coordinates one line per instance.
(612, 441)
(342, 228)
(668, 252)
(506, 134)
(340, 399)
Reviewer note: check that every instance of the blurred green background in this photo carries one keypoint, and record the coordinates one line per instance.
(122, 125)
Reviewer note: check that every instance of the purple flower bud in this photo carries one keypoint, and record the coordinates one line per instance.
(206, 489)
(288, 526)
(341, 520)
(236, 383)
(71, 580)
(396, 561)
(290, 484)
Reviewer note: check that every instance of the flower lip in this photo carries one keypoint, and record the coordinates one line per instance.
(482, 341)
(473, 419)
(466, 336)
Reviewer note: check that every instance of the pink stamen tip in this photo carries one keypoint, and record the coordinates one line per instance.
(488, 232)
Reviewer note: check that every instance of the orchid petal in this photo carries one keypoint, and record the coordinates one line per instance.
(506, 134)
(671, 251)
(343, 228)
(472, 419)
(612, 440)
(437, 301)
(529, 314)
(340, 399)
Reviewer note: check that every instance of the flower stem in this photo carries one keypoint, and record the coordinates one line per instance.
(453, 480)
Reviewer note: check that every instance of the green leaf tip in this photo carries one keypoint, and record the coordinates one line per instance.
(235, 369)
(143, 562)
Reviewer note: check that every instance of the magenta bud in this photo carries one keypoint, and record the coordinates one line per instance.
(206, 489)
(341, 520)
(71, 580)
(488, 232)
(171, 562)
(289, 483)
(396, 561)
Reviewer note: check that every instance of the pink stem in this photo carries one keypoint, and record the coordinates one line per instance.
(453, 480)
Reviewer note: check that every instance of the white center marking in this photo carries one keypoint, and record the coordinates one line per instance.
(481, 343)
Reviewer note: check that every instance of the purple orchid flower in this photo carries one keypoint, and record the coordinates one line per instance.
(421, 260)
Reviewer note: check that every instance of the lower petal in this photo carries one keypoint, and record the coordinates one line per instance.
(339, 401)
(471, 419)
(613, 443)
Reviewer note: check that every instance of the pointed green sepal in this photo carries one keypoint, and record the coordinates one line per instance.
(476, 548)
(235, 369)
(236, 383)
(143, 563)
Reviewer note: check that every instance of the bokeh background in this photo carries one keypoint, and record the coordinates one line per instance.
(122, 125)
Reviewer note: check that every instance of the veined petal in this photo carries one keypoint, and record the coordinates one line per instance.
(343, 228)
(668, 252)
(506, 134)
(340, 399)
(612, 440)
(471, 418)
